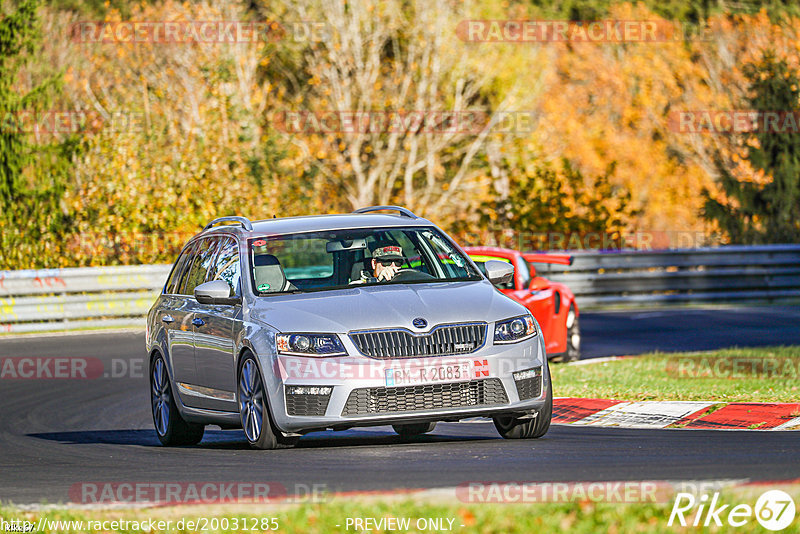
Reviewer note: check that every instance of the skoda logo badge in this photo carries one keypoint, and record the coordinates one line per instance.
(419, 322)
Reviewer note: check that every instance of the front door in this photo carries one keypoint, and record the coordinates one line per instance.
(177, 320)
(183, 348)
(215, 327)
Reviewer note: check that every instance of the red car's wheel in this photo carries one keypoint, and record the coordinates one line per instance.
(573, 352)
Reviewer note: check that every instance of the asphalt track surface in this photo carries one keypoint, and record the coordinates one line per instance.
(56, 434)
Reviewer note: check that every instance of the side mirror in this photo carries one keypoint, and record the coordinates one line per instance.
(215, 292)
(498, 272)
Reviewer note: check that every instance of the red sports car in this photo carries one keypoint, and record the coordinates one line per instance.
(552, 304)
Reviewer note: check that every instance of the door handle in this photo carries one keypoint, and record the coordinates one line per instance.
(167, 319)
(197, 321)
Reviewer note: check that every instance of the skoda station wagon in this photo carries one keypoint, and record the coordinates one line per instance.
(300, 324)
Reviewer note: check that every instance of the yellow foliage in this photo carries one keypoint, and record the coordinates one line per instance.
(200, 142)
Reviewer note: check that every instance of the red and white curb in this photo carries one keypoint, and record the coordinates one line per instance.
(677, 414)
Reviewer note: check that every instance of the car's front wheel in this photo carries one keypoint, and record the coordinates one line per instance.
(253, 410)
(512, 428)
(171, 428)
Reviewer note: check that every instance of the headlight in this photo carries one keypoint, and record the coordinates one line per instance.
(514, 330)
(316, 345)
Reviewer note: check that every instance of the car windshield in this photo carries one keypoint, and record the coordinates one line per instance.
(339, 259)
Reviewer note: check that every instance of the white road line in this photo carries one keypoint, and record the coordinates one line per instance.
(646, 414)
(792, 424)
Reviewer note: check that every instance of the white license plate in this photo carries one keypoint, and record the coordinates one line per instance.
(429, 374)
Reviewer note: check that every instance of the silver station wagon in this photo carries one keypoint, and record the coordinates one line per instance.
(300, 324)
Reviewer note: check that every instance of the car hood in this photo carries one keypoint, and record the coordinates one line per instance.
(363, 308)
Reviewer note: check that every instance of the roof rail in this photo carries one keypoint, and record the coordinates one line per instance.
(405, 212)
(244, 221)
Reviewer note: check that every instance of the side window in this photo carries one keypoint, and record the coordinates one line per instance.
(190, 253)
(198, 271)
(173, 282)
(227, 265)
(524, 272)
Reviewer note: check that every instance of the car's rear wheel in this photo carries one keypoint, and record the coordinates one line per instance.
(573, 336)
(171, 428)
(412, 430)
(512, 428)
(256, 422)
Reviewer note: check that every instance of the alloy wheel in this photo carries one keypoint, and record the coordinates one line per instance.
(251, 403)
(160, 397)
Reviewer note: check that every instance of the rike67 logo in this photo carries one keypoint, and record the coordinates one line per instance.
(774, 510)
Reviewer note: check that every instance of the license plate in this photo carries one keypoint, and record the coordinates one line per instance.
(428, 374)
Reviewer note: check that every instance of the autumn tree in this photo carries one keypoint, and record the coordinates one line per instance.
(764, 207)
(391, 58)
(33, 168)
(182, 142)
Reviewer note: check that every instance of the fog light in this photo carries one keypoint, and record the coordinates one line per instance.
(527, 373)
(309, 390)
(529, 383)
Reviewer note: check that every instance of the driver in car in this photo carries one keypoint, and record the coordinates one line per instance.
(386, 260)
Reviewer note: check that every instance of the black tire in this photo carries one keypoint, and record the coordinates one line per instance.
(171, 428)
(254, 410)
(511, 428)
(573, 352)
(413, 430)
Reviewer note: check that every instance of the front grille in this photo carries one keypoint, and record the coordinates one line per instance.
(529, 388)
(441, 341)
(367, 401)
(306, 404)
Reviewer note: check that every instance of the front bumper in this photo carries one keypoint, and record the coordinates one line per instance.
(488, 389)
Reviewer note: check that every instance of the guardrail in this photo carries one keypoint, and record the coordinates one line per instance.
(763, 273)
(89, 297)
(55, 299)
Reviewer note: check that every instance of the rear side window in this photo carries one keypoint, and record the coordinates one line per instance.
(226, 267)
(174, 280)
(201, 263)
